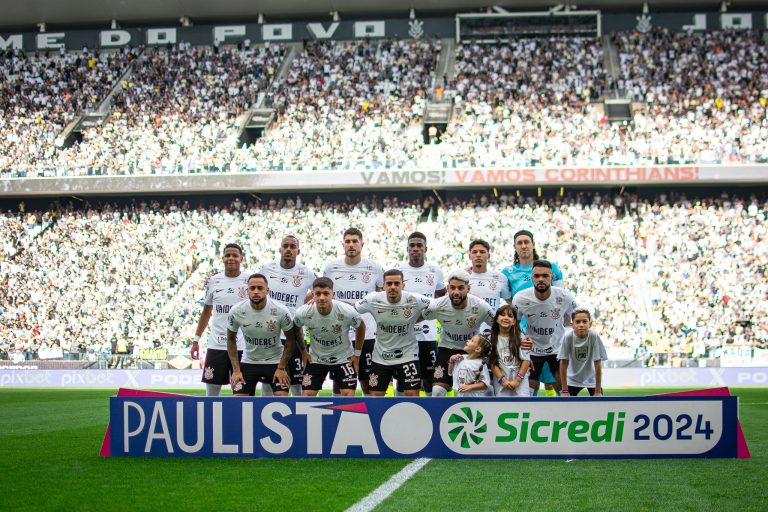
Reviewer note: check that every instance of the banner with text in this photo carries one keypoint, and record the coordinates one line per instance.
(647, 427)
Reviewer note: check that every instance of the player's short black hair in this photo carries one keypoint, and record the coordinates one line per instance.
(480, 241)
(394, 272)
(323, 282)
(233, 245)
(354, 232)
(259, 276)
(542, 263)
(583, 311)
(419, 235)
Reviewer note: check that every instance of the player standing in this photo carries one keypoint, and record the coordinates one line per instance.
(264, 359)
(222, 291)
(290, 283)
(519, 276)
(425, 279)
(329, 322)
(546, 310)
(489, 285)
(396, 351)
(354, 277)
(461, 315)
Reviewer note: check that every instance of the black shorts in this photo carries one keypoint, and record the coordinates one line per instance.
(406, 373)
(427, 358)
(255, 373)
(295, 366)
(575, 390)
(366, 359)
(441, 365)
(342, 374)
(218, 367)
(538, 362)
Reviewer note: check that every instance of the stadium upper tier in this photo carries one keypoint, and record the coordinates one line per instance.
(697, 98)
(671, 275)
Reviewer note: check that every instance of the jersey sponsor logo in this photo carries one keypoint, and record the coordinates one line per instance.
(297, 281)
(555, 313)
(475, 309)
(392, 354)
(366, 277)
(340, 317)
(352, 277)
(222, 308)
(338, 277)
(273, 312)
(559, 300)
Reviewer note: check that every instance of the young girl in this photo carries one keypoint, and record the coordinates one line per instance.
(509, 363)
(470, 375)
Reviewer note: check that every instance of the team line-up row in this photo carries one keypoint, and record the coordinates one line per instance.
(371, 325)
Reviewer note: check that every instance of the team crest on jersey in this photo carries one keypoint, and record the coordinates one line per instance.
(430, 279)
(373, 379)
(407, 312)
(366, 277)
(554, 313)
(208, 373)
(307, 380)
(271, 325)
(242, 292)
(439, 372)
(471, 322)
(296, 281)
(493, 285)
(336, 329)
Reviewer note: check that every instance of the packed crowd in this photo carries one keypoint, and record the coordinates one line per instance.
(698, 98)
(99, 278)
(710, 286)
(348, 104)
(526, 102)
(177, 110)
(105, 278)
(40, 93)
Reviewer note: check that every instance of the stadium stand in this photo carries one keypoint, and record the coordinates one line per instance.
(101, 279)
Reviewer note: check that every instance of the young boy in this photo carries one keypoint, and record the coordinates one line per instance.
(579, 357)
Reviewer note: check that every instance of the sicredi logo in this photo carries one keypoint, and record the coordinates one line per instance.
(564, 427)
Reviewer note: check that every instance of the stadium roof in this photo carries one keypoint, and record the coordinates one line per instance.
(24, 15)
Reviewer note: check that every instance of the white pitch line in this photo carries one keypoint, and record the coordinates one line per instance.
(383, 491)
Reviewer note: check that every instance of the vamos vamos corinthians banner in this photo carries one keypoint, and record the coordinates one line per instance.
(648, 427)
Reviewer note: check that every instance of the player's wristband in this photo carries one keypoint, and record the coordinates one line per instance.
(358, 352)
(195, 338)
(520, 375)
(565, 392)
(502, 379)
(281, 369)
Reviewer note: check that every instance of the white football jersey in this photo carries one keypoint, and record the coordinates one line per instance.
(492, 287)
(424, 280)
(352, 283)
(544, 318)
(261, 330)
(329, 341)
(288, 286)
(459, 325)
(222, 293)
(396, 340)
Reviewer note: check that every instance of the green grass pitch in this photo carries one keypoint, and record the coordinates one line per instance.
(50, 438)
